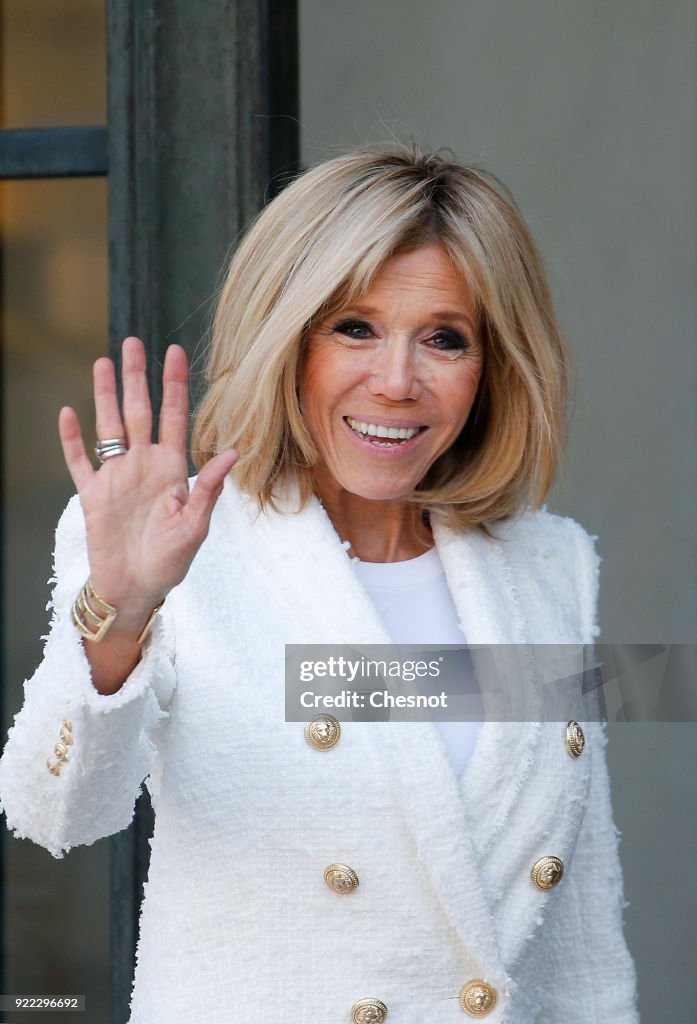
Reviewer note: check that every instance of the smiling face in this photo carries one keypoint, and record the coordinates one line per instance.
(387, 384)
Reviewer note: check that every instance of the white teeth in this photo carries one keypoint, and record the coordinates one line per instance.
(378, 430)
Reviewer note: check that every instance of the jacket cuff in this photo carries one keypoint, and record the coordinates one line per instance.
(66, 792)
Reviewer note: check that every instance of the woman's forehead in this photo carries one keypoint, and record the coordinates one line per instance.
(428, 270)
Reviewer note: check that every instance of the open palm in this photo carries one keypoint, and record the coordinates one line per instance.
(143, 525)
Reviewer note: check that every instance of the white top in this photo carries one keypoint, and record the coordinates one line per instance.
(416, 606)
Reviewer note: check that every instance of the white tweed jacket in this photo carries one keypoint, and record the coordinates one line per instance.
(237, 922)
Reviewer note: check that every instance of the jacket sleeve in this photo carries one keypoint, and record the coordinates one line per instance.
(109, 744)
(589, 972)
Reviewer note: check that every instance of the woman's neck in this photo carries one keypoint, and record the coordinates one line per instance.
(378, 531)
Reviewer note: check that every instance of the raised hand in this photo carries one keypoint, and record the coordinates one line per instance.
(143, 526)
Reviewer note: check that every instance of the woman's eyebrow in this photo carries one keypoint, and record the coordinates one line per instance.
(444, 314)
(452, 315)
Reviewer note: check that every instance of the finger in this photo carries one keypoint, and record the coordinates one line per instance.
(137, 411)
(106, 403)
(209, 485)
(174, 413)
(79, 466)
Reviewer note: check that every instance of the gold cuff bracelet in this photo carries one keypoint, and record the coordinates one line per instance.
(94, 616)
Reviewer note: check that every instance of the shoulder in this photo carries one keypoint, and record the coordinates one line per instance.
(235, 512)
(546, 534)
(231, 494)
(232, 524)
(563, 557)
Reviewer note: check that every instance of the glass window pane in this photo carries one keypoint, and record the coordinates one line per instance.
(53, 61)
(53, 312)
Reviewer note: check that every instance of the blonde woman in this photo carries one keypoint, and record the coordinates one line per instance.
(384, 418)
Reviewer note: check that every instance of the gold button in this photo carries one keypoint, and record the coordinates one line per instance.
(368, 1011)
(341, 878)
(575, 740)
(547, 872)
(478, 998)
(323, 732)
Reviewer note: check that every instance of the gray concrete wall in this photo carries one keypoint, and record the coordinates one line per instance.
(587, 110)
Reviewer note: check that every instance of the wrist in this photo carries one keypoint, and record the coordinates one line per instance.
(95, 616)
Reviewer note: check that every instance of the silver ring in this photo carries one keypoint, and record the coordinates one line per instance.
(110, 453)
(110, 443)
(108, 449)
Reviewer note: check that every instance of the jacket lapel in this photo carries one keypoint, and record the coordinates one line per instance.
(523, 795)
(458, 827)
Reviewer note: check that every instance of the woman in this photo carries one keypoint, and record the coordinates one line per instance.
(387, 380)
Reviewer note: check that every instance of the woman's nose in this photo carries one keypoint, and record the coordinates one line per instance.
(395, 371)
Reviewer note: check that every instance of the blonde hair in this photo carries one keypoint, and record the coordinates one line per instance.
(319, 244)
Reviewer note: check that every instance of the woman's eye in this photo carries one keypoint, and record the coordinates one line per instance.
(356, 329)
(449, 341)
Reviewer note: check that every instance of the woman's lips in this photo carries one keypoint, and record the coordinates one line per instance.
(381, 444)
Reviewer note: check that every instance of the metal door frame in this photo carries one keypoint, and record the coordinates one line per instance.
(202, 130)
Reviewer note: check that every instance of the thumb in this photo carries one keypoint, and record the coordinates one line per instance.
(209, 484)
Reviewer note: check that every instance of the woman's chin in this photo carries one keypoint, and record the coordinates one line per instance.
(369, 483)
(379, 490)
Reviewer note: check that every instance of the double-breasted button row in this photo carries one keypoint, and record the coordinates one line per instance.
(548, 871)
(477, 997)
(324, 731)
(545, 873)
(61, 748)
